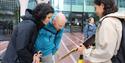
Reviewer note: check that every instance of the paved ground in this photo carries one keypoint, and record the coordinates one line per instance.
(3, 46)
(69, 41)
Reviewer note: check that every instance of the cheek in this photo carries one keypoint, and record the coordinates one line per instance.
(98, 11)
(47, 20)
(56, 25)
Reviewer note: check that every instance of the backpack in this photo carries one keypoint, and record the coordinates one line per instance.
(120, 56)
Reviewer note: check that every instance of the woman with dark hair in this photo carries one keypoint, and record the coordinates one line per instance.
(21, 45)
(108, 33)
(105, 7)
(41, 12)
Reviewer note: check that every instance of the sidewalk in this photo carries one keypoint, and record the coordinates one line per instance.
(69, 41)
(3, 46)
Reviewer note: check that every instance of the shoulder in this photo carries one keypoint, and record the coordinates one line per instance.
(86, 25)
(110, 20)
(26, 25)
(112, 23)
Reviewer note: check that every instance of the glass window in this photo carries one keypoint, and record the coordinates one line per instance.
(9, 16)
(89, 2)
(121, 3)
(32, 4)
(73, 2)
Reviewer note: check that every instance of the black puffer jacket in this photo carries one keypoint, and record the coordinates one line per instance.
(22, 41)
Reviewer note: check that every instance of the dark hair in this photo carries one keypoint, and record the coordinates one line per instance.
(109, 6)
(90, 18)
(41, 11)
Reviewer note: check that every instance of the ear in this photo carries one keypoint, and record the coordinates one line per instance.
(54, 22)
(102, 5)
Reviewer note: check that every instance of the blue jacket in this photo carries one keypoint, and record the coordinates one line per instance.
(89, 30)
(48, 40)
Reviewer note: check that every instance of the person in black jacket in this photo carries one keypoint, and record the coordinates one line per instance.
(20, 48)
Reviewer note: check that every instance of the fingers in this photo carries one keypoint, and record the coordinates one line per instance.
(81, 45)
(39, 53)
(81, 49)
(36, 57)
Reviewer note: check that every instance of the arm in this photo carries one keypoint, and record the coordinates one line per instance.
(23, 38)
(94, 30)
(85, 30)
(57, 40)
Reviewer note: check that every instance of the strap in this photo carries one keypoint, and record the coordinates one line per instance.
(49, 30)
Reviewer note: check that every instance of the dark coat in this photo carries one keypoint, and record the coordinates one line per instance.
(22, 41)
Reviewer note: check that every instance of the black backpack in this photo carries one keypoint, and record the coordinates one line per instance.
(120, 57)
